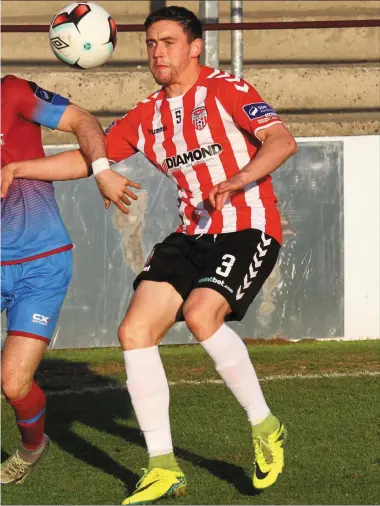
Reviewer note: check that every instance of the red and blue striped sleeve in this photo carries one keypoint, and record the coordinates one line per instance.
(37, 104)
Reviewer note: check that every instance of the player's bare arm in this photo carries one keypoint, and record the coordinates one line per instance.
(87, 130)
(278, 145)
(75, 164)
(92, 142)
(68, 166)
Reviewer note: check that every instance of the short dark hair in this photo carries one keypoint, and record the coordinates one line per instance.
(187, 19)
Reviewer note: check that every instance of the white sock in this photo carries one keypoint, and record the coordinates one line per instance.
(149, 390)
(235, 367)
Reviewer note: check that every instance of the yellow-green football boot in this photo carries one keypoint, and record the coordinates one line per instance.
(156, 484)
(269, 457)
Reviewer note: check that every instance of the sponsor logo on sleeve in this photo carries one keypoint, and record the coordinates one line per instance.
(258, 110)
(46, 96)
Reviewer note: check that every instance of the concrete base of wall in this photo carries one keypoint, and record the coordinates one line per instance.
(291, 88)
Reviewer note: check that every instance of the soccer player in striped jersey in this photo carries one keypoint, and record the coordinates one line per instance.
(219, 141)
(216, 138)
(36, 257)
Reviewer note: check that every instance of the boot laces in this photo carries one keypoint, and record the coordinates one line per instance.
(153, 474)
(264, 450)
(15, 465)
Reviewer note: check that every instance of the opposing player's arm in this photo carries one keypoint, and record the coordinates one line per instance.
(88, 131)
(256, 117)
(54, 111)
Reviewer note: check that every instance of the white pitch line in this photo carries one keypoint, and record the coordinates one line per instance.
(280, 377)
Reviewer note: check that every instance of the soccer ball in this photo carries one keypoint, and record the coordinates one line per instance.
(83, 35)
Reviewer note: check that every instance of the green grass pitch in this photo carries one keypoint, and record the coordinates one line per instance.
(332, 414)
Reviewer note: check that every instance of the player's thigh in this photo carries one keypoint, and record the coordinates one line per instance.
(161, 288)
(39, 295)
(151, 313)
(19, 360)
(171, 262)
(204, 304)
(238, 267)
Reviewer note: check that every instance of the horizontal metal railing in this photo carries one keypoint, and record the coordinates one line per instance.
(271, 25)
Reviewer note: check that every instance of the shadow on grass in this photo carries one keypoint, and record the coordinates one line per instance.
(224, 470)
(4, 455)
(96, 410)
(105, 411)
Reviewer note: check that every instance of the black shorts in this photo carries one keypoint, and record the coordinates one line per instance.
(235, 265)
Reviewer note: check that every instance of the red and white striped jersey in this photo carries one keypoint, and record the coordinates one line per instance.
(198, 140)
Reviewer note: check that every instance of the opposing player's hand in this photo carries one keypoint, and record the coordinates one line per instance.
(113, 187)
(222, 191)
(7, 176)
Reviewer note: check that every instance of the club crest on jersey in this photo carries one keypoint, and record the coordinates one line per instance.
(199, 117)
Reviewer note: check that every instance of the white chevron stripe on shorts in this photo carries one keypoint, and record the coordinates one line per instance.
(252, 273)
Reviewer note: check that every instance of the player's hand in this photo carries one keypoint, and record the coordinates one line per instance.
(113, 187)
(222, 191)
(7, 176)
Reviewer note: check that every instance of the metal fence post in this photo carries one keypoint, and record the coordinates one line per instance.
(209, 13)
(237, 39)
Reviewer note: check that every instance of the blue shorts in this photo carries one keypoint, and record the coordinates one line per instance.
(33, 293)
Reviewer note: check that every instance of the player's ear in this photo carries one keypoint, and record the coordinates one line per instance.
(196, 48)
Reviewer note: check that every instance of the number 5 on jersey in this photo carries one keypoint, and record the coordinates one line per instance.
(226, 266)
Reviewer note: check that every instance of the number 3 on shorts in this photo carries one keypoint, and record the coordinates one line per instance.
(227, 264)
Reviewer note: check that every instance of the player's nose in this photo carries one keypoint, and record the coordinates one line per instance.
(158, 51)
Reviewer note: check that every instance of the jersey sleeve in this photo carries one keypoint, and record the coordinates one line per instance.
(35, 103)
(248, 110)
(122, 138)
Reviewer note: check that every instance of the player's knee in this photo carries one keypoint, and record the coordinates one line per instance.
(202, 320)
(14, 386)
(134, 335)
(125, 336)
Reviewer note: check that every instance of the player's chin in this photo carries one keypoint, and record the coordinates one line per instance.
(162, 81)
(162, 76)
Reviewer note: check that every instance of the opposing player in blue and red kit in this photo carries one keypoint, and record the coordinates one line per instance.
(36, 257)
